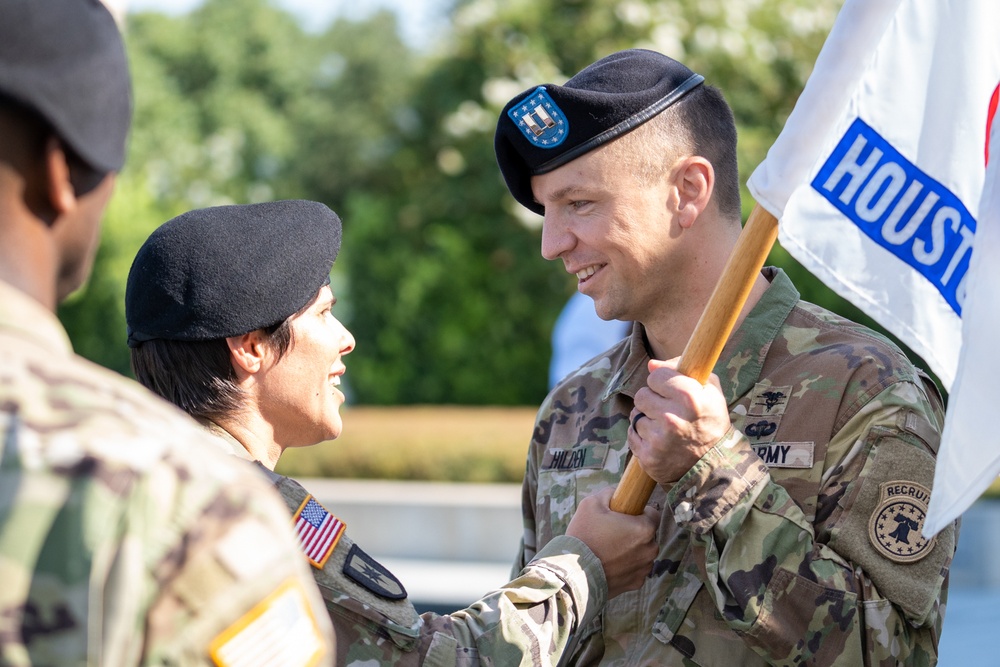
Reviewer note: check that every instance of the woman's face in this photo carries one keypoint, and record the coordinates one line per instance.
(299, 394)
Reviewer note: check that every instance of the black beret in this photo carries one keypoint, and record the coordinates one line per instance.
(228, 270)
(65, 60)
(545, 127)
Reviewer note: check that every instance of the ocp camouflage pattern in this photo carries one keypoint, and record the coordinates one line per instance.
(126, 538)
(766, 554)
(527, 622)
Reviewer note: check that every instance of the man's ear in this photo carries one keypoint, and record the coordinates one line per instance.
(61, 193)
(248, 353)
(694, 180)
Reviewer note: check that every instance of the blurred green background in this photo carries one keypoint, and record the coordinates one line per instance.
(440, 277)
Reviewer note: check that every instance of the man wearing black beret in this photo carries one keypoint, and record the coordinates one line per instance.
(119, 527)
(230, 317)
(782, 540)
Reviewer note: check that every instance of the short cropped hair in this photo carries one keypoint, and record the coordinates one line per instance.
(700, 123)
(198, 376)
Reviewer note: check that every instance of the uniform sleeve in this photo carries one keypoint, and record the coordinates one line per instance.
(529, 491)
(226, 577)
(530, 620)
(843, 590)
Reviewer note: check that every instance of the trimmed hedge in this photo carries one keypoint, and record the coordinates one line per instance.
(433, 443)
(430, 443)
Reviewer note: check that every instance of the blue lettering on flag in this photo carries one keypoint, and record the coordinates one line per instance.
(901, 208)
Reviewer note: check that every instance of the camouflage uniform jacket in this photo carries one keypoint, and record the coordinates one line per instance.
(122, 541)
(528, 621)
(795, 540)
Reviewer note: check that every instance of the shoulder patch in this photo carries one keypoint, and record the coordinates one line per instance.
(896, 526)
(279, 630)
(318, 531)
(372, 575)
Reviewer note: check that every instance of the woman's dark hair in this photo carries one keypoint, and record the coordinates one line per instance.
(198, 376)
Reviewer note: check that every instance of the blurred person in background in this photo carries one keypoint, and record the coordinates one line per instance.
(230, 317)
(124, 540)
(579, 335)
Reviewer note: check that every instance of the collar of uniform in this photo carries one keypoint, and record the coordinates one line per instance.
(743, 356)
(225, 440)
(631, 377)
(24, 317)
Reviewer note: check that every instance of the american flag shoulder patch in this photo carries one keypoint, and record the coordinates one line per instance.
(318, 531)
(279, 631)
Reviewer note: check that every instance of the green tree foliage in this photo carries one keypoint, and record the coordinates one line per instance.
(440, 277)
(231, 104)
(465, 303)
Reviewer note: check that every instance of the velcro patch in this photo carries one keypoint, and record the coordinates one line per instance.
(761, 430)
(372, 575)
(785, 454)
(576, 458)
(280, 630)
(768, 401)
(318, 531)
(896, 526)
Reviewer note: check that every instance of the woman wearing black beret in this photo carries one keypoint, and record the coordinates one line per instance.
(230, 317)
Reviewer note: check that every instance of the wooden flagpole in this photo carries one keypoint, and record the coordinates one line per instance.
(709, 336)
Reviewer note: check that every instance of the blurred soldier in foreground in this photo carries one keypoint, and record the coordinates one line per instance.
(123, 539)
(791, 480)
(230, 316)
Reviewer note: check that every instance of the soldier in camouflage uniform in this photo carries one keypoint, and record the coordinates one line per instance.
(122, 541)
(795, 484)
(230, 316)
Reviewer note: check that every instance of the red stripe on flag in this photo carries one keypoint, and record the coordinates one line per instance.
(318, 542)
(323, 532)
(990, 114)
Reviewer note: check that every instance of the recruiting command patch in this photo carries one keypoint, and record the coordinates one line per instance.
(896, 526)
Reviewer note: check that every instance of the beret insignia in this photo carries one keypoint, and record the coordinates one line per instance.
(540, 119)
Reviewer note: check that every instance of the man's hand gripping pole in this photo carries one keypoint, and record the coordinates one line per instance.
(709, 336)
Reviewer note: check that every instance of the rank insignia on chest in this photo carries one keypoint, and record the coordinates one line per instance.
(372, 575)
(318, 531)
(769, 401)
(763, 414)
(896, 526)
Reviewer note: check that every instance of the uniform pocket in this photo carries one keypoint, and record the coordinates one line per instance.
(559, 477)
